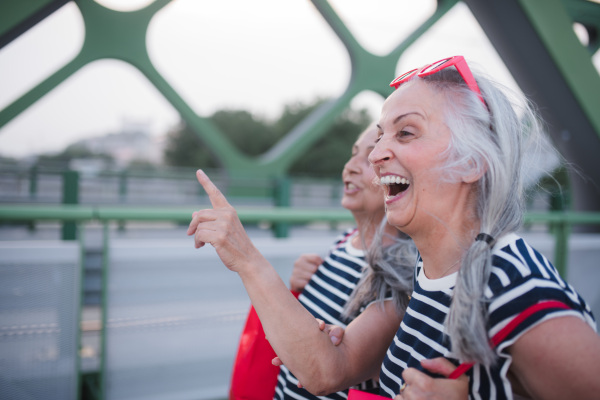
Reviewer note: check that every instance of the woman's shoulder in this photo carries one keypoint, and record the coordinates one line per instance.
(522, 275)
(521, 278)
(517, 269)
(514, 260)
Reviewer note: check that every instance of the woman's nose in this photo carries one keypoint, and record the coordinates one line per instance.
(352, 166)
(380, 153)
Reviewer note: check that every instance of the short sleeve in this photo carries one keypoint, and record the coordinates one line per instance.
(523, 280)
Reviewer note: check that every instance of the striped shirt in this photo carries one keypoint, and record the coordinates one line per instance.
(325, 296)
(521, 277)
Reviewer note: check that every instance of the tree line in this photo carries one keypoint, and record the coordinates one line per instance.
(251, 134)
(254, 135)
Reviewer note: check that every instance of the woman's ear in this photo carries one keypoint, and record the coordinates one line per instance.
(473, 172)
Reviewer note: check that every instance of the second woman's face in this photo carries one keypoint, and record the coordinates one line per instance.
(408, 158)
(361, 194)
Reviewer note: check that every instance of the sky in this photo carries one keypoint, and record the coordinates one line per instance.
(230, 54)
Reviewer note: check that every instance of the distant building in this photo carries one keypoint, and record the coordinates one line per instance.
(132, 143)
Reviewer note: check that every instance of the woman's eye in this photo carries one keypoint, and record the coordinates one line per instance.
(404, 133)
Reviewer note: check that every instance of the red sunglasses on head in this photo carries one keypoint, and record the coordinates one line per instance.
(457, 61)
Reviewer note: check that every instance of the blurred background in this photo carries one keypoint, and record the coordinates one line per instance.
(108, 107)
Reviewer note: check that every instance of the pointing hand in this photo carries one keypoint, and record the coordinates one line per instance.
(221, 227)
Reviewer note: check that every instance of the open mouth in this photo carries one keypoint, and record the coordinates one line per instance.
(350, 186)
(395, 184)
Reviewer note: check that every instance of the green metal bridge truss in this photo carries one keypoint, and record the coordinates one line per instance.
(535, 38)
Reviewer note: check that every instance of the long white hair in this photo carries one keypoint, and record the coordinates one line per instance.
(492, 141)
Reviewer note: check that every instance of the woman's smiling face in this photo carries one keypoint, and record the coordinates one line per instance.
(409, 155)
(361, 194)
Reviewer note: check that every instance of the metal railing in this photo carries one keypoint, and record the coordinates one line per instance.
(559, 224)
(172, 187)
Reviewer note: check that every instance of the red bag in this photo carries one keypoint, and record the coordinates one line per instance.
(253, 376)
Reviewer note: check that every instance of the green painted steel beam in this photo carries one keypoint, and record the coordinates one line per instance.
(570, 217)
(119, 35)
(40, 90)
(111, 34)
(15, 12)
(46, 213)
(536, 41)
(70, 196)
(246, 215)
(587, 13)
(83, 213)
(369, 72)
(561, 222)
(555, 28)
(17, 16)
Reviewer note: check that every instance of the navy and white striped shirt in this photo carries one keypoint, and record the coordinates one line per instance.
(325, 296)
(521, 277)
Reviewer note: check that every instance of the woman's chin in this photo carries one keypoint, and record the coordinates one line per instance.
(398, 221)
(352, 204)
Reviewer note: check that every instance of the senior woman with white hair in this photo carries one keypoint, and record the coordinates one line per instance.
(451, 153)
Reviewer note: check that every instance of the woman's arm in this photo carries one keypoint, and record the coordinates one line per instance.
(370, 366)
(307, 351)
(558, 359)
(292, 331)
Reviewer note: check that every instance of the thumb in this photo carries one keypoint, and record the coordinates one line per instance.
(276, 361)
(217, 199)
(336, 334)
(439, 365)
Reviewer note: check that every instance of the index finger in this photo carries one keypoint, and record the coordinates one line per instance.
(214, 194)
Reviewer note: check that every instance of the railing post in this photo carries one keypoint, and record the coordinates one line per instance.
(70, 196)
(123, 186)
(33, 189)
(33, 181)
(560, 201)
(336, 198)
(81, 267)
(104, 309)
(562, 231)
(282, 199)
(122, 194)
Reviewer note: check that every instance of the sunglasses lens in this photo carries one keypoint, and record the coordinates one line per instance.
(436, 66)
(402, 78)
(457, 61)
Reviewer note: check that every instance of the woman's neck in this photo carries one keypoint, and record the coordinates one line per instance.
(445, 241)
(367, 226)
